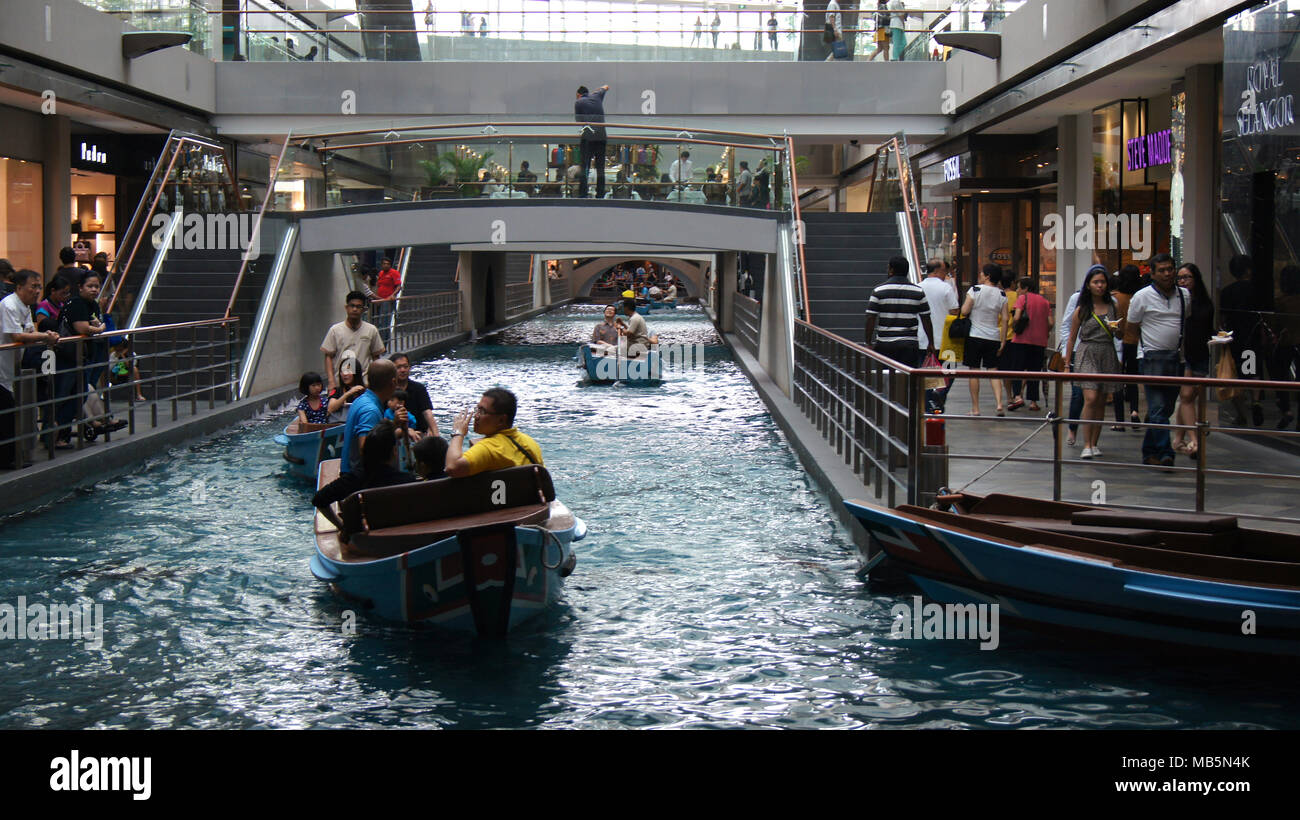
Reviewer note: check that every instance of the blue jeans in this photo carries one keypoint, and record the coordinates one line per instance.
(1160, 400)
(1076, 406)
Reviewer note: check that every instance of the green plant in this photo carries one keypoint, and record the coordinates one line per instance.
(801, 164)
(462, 168)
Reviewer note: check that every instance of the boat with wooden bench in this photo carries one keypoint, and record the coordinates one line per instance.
(1196, 579)
(307, 445)
(482, 554)
(646, 371)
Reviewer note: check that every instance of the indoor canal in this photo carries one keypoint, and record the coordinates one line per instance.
(716, 589)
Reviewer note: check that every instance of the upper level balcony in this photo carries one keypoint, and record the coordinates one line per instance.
(563, 30)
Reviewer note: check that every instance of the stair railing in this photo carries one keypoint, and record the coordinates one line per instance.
(257, 225)
(801, 269)
(910, 200)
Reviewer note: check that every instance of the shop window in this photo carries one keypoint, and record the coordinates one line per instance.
(21, 212)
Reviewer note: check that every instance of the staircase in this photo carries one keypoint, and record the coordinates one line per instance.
(432, 269)
(846, 256)
(196, 285)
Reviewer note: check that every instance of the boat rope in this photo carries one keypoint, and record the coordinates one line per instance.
(548, 535)
(1012, 452)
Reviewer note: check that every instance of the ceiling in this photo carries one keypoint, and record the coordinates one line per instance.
(91, 118)
(1148, 78)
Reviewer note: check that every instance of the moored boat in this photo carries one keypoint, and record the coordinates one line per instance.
(307, 445)
(481, 554)
(1195, 579)
(646, 371)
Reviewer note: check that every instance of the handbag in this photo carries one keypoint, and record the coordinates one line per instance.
(934, 382)
(1226, 369)
(960, 328)
(1057, 363)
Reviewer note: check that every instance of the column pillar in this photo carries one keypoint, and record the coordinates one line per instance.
(56, 182)
(726, 271)
(1074, 189)
(1200, 176)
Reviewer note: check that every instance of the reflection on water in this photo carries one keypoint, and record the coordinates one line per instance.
(715, 589)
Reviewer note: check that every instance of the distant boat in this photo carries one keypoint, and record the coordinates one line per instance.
(652, 305)
(480, 554)
(306, 445)
(1195, 579)
(646, 371)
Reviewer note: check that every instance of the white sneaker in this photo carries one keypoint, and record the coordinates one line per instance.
(1096, 452)
(1087, 453)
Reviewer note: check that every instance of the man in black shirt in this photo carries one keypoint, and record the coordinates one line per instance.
(590, 107)
(418, 403)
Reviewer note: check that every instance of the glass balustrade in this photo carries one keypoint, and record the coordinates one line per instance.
(562, 30)
(531, 161)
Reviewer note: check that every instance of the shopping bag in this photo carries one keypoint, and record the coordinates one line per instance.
(957, 346)
(934, 382)
(1227, 369)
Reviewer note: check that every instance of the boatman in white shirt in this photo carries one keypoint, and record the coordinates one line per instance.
(942, 300)
(1158, 312)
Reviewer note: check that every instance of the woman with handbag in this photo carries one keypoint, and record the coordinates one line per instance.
(1198, 327)
(984, 305)
(1092, 336)
(1030, 325)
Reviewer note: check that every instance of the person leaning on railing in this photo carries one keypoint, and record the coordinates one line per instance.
(16, 326)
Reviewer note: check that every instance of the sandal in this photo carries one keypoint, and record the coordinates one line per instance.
(1016, 405)
(1034, 408)
(1118, 428)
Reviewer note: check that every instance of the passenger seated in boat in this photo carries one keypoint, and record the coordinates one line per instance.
(638, 338)
(501, 446)
(348, 389)
(430, 458)
(365, 415)
(606, 333)
(671, 294)
(380, 458)
(312, 409)
(656, 293)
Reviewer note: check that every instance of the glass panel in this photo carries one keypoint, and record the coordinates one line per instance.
(21, 228)
(995, 236)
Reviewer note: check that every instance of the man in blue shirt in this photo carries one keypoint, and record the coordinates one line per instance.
(590, 108)
(365, 413)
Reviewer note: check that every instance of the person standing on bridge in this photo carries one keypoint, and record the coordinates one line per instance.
(893, 312)
(590, 108)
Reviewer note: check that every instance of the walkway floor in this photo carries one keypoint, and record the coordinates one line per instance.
(1118, 475)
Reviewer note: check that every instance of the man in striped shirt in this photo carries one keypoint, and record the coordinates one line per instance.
(893, 314)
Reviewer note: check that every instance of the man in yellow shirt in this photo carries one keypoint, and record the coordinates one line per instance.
(502, 445)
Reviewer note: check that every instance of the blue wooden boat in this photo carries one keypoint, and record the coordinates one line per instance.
(481, 554)
(644, 372)
(1194, 579)
(645, 309)
(307, 445)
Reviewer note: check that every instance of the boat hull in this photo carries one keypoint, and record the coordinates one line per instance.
(1043, 585)
(645, 372)
(483, 582)
(304, 451)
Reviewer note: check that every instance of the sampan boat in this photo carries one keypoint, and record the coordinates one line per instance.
(480, 554)
(646, 371)
(1195, 579)
(307, 445)
(645, 308)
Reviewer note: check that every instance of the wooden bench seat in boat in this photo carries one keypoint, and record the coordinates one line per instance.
(1168, 521)
(1123, 535)
(387, 521)
(295, 427)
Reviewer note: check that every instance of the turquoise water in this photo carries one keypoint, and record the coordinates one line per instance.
(716, 589)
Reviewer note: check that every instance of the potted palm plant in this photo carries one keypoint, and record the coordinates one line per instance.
(462, 168)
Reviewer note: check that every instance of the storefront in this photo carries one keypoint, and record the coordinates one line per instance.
(984, 201)
(21, 212)
(109, 175)
(1261, 153)
(1133, 171)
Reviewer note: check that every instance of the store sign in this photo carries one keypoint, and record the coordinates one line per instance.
(1150, 149)
(952, 169)
(1001, 256)
(1264, 106)
(91, 153)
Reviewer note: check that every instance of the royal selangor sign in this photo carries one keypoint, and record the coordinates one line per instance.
(1149, 149)
(1260, 74)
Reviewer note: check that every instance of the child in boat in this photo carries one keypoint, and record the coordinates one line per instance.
(400, 417)
(349, 388)
(379, 458)
(430, 458)
(312, 409)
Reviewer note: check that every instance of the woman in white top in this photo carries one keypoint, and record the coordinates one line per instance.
(984, 305)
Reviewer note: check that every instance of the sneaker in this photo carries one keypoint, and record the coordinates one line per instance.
(1096, 452)
(1087, 453)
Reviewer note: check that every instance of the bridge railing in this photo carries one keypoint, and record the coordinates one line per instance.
(551, 160)
(426, 319)
(536, 30)
(747, 321)
(519, 299)
(873, 412)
